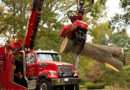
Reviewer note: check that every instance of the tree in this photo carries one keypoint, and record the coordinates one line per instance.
(110, 77)
(127, 54)
(121, 21)
(16, 16)
(100, 33)
(89, 70)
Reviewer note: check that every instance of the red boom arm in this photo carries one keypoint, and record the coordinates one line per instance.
(33, 24)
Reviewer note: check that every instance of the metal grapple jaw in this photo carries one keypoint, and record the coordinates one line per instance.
(76, 30)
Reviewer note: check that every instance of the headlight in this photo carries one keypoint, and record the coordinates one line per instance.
(52, 73)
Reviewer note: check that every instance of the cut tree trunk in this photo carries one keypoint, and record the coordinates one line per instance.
(101, 53)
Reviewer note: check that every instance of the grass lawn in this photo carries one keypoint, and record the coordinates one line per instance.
(106, 88)
(82, 89)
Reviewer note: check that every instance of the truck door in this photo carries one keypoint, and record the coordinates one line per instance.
(31, 65)
(18, 72)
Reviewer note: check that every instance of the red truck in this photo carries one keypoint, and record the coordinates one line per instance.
(22, 68)
(40, 70)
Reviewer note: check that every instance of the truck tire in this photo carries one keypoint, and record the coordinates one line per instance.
(44, 85)
(69, 87)
(72, 87)
(76, 87)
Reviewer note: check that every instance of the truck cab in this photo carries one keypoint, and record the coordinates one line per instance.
(47, 63)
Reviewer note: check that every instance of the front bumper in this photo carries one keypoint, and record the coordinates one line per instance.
(65, 81)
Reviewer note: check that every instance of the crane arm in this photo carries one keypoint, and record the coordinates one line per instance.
(33, 24)
(80, 6)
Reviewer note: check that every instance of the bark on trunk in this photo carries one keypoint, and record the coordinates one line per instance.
(103, 54)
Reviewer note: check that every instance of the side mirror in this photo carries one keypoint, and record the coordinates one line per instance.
(28, 58)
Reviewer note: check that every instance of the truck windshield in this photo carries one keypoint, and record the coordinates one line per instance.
(45, 57)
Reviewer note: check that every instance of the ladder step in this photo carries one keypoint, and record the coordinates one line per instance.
(32, 84)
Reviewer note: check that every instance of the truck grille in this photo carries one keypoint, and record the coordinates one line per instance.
(65, 71)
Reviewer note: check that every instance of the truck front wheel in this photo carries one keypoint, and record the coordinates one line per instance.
(72, 87)
(76, 87)
(44, 85)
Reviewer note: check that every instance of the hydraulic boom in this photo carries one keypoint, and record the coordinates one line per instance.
(33, 24)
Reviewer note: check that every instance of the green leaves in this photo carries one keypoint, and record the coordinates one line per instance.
(121, 21)
(110, 77)
(125, 3)
(15, 17)
(100, 33)
(120, 39)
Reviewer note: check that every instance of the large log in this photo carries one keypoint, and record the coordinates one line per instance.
(101, 53)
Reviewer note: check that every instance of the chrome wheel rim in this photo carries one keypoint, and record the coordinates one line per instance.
(43, 86)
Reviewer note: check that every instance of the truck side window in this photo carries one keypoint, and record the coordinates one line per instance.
(30, 58)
